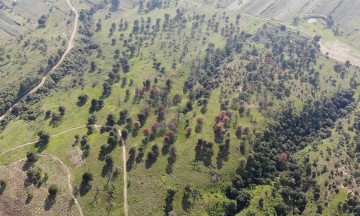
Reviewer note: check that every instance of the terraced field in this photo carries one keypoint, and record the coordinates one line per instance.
(345, 13)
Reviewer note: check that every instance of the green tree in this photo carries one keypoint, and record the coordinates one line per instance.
(31, 157)
(87, 177)
(53, 189)
(115, 5)
(44, 137)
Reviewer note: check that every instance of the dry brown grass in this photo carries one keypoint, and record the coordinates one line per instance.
(14, 199)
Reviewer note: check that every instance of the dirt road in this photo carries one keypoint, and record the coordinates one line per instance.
(67, 51)
(126, 207)
(67, 172)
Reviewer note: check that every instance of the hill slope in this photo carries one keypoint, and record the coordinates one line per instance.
(220, 114)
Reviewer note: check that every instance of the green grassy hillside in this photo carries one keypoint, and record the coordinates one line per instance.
(220, 114)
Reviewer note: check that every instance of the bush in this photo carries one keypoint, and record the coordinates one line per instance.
(53, 189)
(31, 157)
(44, 137)
(83, 99)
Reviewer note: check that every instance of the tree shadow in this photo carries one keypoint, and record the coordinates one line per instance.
(80, 104)
(135, 132)
(140, 157)
(165, 149)
(204, 157)
(92, 110)
(28, 199)
(149, 162)
(55, 123)
(185, 203)
(152, 137)
(71, 203)
(130, 163)
(40, 146)
(95, 195)
(49, 202)
(219, 162)
(104, 96)
(84, 189)
(105, 150)
(27, 165)
(170, 165)
(222, 156)
(28, 182)
(204, 152)
(47, 117)
(169, 169)
(106, 169)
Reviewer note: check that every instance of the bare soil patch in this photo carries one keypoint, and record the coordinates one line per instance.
(76, 156)
(236, 5)
(15, 201)
(341, 52)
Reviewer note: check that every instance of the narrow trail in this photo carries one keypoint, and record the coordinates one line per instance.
(66, 170)
(67, 51)
(126, 207)
(33, 142)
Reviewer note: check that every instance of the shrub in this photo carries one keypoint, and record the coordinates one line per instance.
(31, 157)
(83, 99)
(53, 189)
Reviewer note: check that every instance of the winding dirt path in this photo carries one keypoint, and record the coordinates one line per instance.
(33, 142)
(126, 207)
(65, 170)
(67, 51)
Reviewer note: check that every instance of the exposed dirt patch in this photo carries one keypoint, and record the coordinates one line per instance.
(340, 51)
(353, 189)
(236, 5)
(75, 156)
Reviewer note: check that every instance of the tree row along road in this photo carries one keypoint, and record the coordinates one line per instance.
(69, 47)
